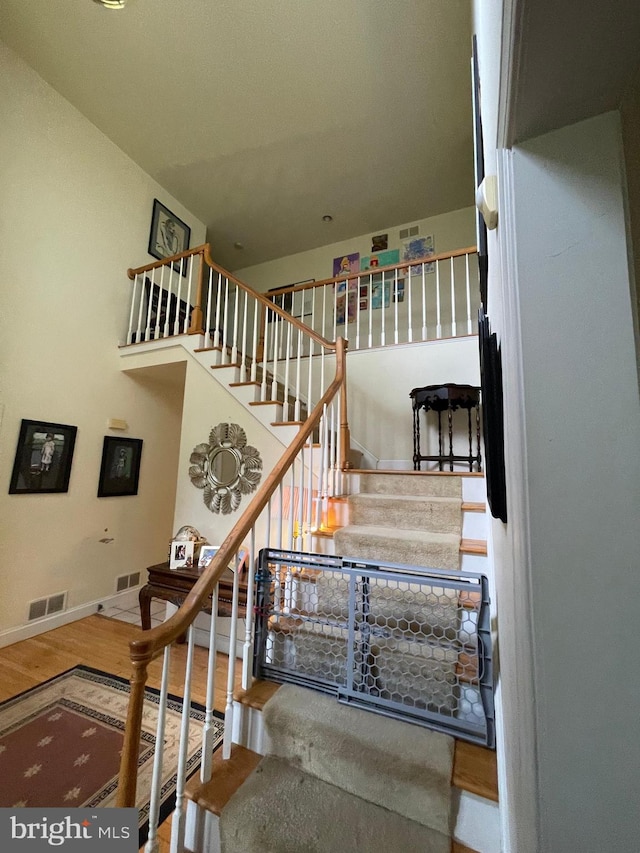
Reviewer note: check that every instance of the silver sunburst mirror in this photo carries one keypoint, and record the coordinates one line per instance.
(226, 468)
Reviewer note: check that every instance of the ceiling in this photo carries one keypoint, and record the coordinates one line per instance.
(261, 117)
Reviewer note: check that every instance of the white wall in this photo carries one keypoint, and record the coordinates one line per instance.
(582, 422)
(75, 215)
(454, 230)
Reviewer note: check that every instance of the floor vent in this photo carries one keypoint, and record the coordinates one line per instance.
(127, 581)
(46, 606)
(413, 231)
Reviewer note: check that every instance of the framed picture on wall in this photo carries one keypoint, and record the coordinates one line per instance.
(168, 236)
(120, 468)
(43, 458)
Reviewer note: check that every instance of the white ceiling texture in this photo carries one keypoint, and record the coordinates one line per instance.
(261, 117)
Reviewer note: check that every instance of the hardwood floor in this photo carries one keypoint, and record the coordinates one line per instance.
(101, 643)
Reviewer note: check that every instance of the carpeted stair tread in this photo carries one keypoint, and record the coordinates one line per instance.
(388, 544)
(281, 809)
(410, 483)
(418, 512)
(403, 768)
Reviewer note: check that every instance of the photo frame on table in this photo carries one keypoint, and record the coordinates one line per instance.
(168, 236)
(120, 467)
(207, 553)
(181, 554)
(44, 454)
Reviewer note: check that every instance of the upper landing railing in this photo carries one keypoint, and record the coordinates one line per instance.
(419, 300)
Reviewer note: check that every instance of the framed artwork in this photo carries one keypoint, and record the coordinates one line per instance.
(120, 468)
(168, 236)
(492, 417)
(381, 259)
(379, 242)
(207, 553)
(181, 555)
(346, 301)
(398, 290)
(297, 304)
(418, 247)
(346, 264)
(43, 458)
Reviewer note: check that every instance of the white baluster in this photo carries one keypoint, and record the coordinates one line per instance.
(139, 296)
(156, 782)
(247, 652)
(370, 308)
(180, 279)
(187, 318)
(425, 331)
(180, 813)
(408, 288)
(468, 282)
(338, 446)
(245, 367)
(309, 503)
(236, 310)
(225, 324)
(383, 312)
(166, 295)
(254, 351)
(207, 328)
(438, 314)
(274, 381)
(335, 310)
(263, 389)
(231, 671)
(279, 539)
(454, 330)
(395, 306)
(292, 505)
(152, 284)
(216, 331)
(296, 409)
(324, 311)
(300, 546)
(286, 409)
(208, 730)
(312, 291)
(358, 313)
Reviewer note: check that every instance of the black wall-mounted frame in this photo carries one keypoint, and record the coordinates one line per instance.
(120, 467)
(168, 236)
(43, 458)
(478, 148)
(492, 417)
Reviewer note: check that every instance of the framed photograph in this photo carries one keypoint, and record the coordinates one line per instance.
(181, 555)
(43, 458)
(207, 553)
(168, 236)
(120, 468)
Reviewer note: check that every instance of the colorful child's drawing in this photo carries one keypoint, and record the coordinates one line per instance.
(346, 302)
(346, 264)
(418, 247)
(381, 259)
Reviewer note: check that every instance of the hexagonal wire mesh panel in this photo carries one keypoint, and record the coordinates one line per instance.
(404, 641)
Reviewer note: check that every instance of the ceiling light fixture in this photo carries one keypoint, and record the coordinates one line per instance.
(327, 218)
(111, 4)
(238, 245)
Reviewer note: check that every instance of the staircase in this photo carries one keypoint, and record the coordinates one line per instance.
(393, 785)
(321, 776)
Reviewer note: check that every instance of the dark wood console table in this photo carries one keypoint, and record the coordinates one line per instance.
(447, 398)
(174, 585)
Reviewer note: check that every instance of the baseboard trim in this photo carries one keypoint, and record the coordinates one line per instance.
(73, 614)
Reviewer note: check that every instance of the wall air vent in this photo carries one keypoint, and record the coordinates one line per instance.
(412, 231)
(127, 581)
(46, 606)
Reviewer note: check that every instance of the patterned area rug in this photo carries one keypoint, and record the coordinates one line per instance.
(60, 743)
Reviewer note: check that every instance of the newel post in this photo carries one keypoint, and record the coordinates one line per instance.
(345, 435)
(196, 326)
(128, 779)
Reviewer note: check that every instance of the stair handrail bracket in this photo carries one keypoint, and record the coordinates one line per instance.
(297, 460)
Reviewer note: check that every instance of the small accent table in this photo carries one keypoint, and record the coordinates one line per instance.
(174, 585)
(447, 398)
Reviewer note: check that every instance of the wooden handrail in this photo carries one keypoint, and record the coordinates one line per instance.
(195, 327)
(151, 645)
(267, 303)
(132, 273)
(428, 259)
